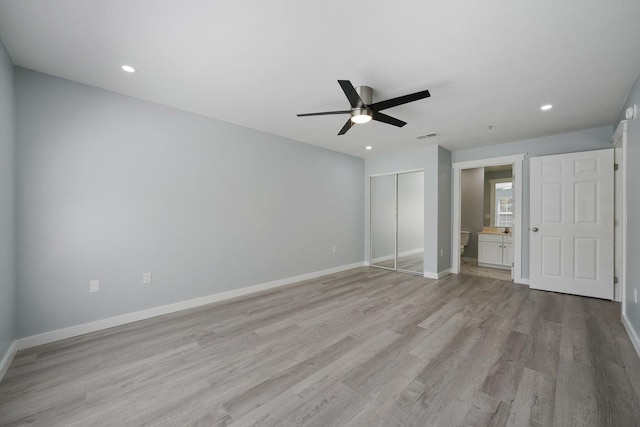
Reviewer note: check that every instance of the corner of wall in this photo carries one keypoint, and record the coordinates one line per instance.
(8, 285)
(633, 334)
(444, 210)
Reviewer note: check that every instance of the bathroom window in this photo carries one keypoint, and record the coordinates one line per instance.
(502, 202)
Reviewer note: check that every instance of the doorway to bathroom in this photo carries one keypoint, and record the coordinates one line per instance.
(487, 213)
(397, 221)
(486, 220)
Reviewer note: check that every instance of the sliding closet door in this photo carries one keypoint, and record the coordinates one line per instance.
(411, 222)
(383, 221)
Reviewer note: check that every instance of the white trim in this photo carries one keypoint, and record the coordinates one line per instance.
(382, 258)
(7, 359)
(522, 281)
(98, 325)
(518, 178)
(440, 275)
(396, 173)
(411, 252)
(620, 139)
(401, 254)
(633, 335)
(489, 161)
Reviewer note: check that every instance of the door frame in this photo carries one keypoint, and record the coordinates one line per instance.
(619, 141)
(517, 162)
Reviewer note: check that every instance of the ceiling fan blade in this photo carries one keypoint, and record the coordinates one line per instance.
(380, 117)
(352, 95)
(325, 113)
(346, 127)
(393, 102)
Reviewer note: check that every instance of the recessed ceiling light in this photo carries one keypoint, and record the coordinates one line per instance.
(368, 147)
(546, 107)
(128, 69)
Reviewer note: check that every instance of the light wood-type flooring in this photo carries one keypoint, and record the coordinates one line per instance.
(365, 347)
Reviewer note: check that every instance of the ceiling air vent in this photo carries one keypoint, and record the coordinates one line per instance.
(428, 135)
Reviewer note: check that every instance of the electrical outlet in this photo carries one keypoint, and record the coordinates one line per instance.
(94, 286)
(146, 278)
(333, 250)
(635, 295)
(441, 252)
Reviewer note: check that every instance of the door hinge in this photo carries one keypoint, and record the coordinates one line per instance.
(615, 222)
(615, 166)
(615, 279)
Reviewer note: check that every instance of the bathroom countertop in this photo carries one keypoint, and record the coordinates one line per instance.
(494, 232)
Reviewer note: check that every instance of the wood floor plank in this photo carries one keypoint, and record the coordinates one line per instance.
(504, 376)
(364, 347)
(334, 406)
(486, 410)
(534, 400)
(262, 392)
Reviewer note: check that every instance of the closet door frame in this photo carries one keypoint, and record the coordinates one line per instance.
(395, 174)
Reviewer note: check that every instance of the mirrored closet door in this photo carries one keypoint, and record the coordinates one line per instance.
(383, 221)
(397, 221)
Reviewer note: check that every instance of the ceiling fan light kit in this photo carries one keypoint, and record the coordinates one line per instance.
(363, 109)
(360, 115)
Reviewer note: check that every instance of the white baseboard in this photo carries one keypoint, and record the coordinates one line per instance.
(411, 252)
(440, 275)
(7, 359)
(382, 258)
(522, 281)
(633, 335)
(400, 254)
(98, 325)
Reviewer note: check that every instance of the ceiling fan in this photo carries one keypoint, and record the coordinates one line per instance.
(363, 109)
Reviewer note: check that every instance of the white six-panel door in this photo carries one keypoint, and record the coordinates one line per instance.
(571, 223)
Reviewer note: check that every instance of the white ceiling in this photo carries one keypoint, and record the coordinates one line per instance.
(257, 63)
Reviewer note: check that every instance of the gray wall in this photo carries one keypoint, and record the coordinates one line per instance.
(7, 204)
(443, 251)
(437, 198)
(592, 139)
(633, 208)
(471, 209)
(111, 186)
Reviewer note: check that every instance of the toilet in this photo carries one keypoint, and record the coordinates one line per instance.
(464, 240)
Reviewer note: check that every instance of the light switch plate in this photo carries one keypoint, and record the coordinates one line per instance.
(94, 286)
(146, 278)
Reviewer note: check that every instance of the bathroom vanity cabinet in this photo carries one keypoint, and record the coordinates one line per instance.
(495, 250)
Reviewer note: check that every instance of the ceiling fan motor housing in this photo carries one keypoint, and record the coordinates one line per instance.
(366, 94)
(363, 114)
